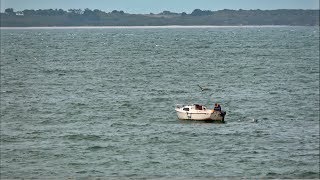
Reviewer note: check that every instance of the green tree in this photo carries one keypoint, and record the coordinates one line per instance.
(9, 11)
(28, 12)
(117, 12)
(199, 12)
(75, 12)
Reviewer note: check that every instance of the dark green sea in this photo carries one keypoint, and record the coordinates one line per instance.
(99, 102)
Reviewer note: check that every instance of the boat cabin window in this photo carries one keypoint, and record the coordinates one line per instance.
(198, 107)
(186, 109)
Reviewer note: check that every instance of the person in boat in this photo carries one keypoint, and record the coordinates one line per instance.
(217, 107)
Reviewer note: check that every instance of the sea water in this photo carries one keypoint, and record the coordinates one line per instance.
(99, 102)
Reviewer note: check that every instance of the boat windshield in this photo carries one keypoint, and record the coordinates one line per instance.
(186, 109)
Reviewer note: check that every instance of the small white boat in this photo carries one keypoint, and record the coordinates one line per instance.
(199, 113)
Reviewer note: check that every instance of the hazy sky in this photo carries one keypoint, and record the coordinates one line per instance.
(157, 6)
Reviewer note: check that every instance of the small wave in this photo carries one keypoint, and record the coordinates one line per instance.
(77, 104)
(76, 163)
(82, 137)
(303, 175)
(137, 125)
(127, 104)
(178, 91)
(81, 172)
(97, 148)
(116, 124)
(155, 162)
(62, 71)
(120, 124)
(160, 99)
(90, 89)
(272, 175)
(202, 47)
(309, 175)
(34, 132)
(159, 140)
(46, 121)
(8, 91)
(59, 155)
(9, 139)
(261, 132)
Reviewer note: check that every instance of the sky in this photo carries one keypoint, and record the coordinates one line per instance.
(157, 6)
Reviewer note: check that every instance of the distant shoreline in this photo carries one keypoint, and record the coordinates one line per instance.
(119, 19)
(148, 27)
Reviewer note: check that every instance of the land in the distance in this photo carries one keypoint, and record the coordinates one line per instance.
(87, 17)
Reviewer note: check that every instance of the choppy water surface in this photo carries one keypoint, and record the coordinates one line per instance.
(100, 102)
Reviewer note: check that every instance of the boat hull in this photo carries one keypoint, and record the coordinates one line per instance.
(201, 116)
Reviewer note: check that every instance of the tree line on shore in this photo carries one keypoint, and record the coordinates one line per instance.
(96, 17)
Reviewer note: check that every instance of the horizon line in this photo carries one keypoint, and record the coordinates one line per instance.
(146, 27)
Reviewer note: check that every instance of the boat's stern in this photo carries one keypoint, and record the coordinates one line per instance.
(218, 115)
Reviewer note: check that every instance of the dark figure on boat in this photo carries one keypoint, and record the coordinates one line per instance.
(217, 107)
